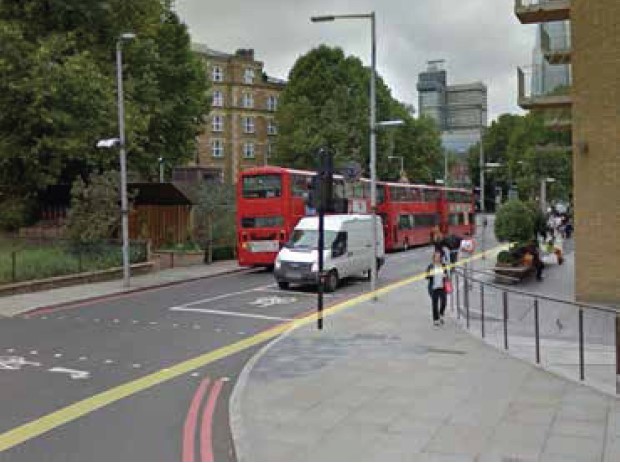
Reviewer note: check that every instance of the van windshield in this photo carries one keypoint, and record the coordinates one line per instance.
(309, 239)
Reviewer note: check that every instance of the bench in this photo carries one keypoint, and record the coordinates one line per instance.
(510, 275)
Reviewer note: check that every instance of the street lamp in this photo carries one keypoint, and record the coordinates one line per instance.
(123, 158)
(373, 127)
(161, 169)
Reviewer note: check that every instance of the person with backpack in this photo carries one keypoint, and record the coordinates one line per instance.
(437, 276)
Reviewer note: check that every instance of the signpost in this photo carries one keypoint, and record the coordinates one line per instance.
(325, 173)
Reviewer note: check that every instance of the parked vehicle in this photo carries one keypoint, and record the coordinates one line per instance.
(348, 251)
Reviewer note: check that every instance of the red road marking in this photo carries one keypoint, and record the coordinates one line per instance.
(206, 437)
(191, 420)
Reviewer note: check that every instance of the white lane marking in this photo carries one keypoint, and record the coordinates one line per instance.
(10, 350)
(196, 327)
(152, 323)
(116, 320)
(33, 352)
(232, 314)
(108, 361)
(83, 357)
(268, 301)
(223, 296)
(195, 374)
(136, 365)
(175, 325)
(74, 374)
(134, 321)
(225, 378)
(13, 362)
(57, 356)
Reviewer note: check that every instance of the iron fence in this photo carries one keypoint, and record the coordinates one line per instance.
(32, 259)
(578, 340)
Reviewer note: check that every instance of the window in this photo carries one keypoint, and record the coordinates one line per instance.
(247, 100)
(270, 149)
(425, 220)
(248, 76)
(218, 98)
(217, 123)
(217, 74)
(272, 103)
(248, 124)
(217, 148)
(248, 150)
(262, 186)
(272, 129)
(301, 185)
(262, 222)
(404, 222)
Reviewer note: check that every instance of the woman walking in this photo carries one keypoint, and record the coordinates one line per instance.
(437, 275)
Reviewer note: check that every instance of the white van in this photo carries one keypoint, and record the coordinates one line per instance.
(348, 250)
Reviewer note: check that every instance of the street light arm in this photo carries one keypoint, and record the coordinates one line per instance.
(329, 18)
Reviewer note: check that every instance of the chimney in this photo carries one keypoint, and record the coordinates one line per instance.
(246, 53)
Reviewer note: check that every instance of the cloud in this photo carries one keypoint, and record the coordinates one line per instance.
(481, 40)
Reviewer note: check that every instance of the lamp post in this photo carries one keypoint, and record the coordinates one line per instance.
(123, 157)
(161, 169)
(373, 127)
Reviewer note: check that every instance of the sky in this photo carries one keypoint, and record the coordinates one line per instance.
(481, 40)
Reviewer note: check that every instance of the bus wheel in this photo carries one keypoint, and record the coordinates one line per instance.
(331, 281)
(283, 284)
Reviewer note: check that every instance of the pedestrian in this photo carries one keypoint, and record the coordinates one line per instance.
(453, 243)
(437, 276)
(537, 262)
(443, 250)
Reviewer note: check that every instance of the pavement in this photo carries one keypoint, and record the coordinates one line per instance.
(21, 303)
(380, 383)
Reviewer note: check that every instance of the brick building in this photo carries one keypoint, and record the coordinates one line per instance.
(588, 106)
(241, 129)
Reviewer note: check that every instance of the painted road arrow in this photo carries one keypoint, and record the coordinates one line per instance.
(75, 374)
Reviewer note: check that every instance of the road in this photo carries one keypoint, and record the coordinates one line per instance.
(80, 354)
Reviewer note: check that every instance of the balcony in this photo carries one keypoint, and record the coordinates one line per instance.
(556, 48)
(536, 93)
(540, 11)
(559, 120)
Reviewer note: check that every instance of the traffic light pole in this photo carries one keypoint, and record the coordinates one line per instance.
(324, 173)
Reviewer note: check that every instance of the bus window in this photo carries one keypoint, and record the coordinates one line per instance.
(380, 194)
(300, 185)
(262, 222)
(404, 222)
(262, 186)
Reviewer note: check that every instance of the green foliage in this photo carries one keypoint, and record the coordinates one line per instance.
(216, 215)
(326, 103)
(94, 213)
(513, 141)
(514, 222)
(507, 257)
(14, 213)
(58, 90)
(36, 261)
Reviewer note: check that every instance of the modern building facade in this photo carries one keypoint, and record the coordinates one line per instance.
(591, 103)
(241, 129)
(460, 112)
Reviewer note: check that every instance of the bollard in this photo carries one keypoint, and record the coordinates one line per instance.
(505, 320)
(458, 299)
(536, 329)
(482, 308)
(14, 266)
(582, 374)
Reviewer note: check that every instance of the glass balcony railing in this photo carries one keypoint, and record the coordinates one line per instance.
(556, 47)
(538, 11)
(544, 86)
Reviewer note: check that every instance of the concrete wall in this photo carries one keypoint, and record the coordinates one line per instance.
(596, 129)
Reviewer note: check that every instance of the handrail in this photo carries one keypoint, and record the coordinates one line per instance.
(578, 305)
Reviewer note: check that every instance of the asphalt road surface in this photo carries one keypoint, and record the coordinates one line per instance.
(81, 355)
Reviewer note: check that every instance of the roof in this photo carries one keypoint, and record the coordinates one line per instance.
(158, 194)
(205, 50)
(332, 222)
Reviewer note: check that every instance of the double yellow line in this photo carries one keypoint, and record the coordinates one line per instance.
(83, 407)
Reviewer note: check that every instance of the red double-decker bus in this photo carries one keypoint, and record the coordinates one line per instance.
(271, 200)
(457, 208)
(410, 214)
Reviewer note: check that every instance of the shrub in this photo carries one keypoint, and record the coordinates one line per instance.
(515, 222)
(14, 213)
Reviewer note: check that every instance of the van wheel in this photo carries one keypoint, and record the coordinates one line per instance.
(283, 284)
(331, 281)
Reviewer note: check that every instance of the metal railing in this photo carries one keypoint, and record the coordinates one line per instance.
(575, 339)
(34, 259)
(534, 3)
(540, 81)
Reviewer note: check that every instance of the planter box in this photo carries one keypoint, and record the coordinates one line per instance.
(171, 259)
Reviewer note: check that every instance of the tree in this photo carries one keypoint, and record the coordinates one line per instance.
(216, 215)
(326, 103)
(94, 213)
(515, 222)
(58, 90)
